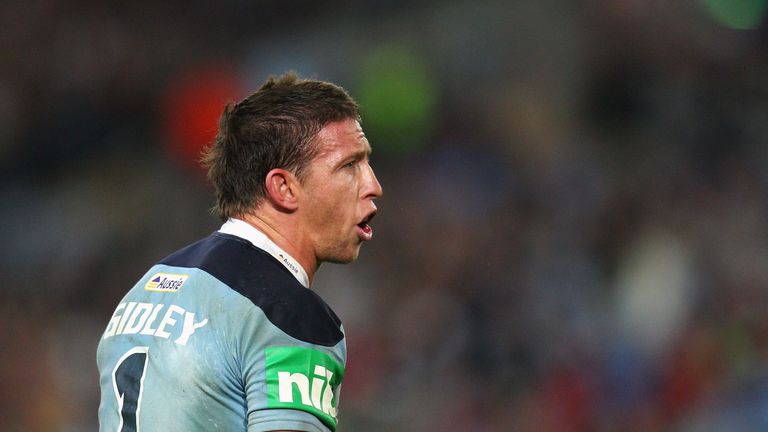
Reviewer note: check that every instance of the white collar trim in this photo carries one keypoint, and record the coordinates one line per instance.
(248, 232)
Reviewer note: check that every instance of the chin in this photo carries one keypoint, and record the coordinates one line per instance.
(344, 257)
(341, 259)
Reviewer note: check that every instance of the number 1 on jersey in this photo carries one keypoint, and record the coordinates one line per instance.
(128, 382)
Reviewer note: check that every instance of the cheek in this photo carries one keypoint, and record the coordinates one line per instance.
(328, 205)
(332, 203)
(335, 212)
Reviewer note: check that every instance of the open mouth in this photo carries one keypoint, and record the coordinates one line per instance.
(365, 232)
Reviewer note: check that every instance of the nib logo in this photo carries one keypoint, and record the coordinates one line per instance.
(319, 394)
(304, 379)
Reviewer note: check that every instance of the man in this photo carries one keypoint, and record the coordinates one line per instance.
(225, 334)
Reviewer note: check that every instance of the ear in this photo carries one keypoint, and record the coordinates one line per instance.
(281, 188)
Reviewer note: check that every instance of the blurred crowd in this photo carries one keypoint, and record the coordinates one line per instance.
(573, 234)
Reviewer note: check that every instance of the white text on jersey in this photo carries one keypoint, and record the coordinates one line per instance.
(142, 318)
(321, 380)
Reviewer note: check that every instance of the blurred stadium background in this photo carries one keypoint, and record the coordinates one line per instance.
(573, 235)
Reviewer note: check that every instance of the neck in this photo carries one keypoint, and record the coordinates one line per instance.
(284, 236)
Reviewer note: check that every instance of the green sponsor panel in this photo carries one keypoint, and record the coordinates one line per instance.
(304, 379)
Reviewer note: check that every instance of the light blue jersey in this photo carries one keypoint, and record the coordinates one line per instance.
(220, 336)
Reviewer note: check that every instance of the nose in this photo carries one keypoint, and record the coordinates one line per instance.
(373, 187)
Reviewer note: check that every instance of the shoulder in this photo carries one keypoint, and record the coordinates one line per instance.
(260, 278)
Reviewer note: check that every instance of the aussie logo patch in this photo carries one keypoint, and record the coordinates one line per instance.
(304, 379)
(166, 282)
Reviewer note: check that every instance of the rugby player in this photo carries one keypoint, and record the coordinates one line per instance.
(226, 334)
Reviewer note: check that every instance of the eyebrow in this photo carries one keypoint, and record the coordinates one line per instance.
(364, 152)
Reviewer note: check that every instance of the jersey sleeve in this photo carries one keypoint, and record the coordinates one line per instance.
(289, 384)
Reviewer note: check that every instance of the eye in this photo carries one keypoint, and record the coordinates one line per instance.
(350, 164)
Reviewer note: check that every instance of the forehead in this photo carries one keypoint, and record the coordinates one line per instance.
(341, 138)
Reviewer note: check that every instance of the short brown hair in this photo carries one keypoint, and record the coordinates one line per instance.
(274, 127)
